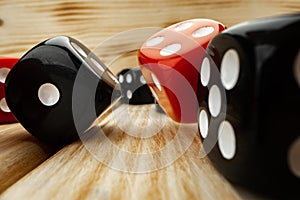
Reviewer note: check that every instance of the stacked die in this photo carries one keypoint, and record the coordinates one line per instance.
(5, 66)
(256, 125)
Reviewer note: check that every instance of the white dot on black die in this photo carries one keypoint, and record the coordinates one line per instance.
(230, 69)
(3, 105)
(205, 72)
(170, 49)
(48, 94)
(121, 78)
(214, 100)
(203, 123)
(297, 68)
(294, 157)
(3, 74)
(129, 94)
(128, 78)
(226, 140)
(142, 79)
(183, 26)
(204, 31)
(154, 41)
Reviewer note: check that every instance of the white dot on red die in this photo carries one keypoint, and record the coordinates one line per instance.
(203, 123)
(297, 68)
(294, 157)
(214, 100)
(3, 74)
(204, 31)
(230, 69)
(79, 49)
(170, 49)
(226, 140)
(3, 105)
(48, 94)
(183, 26)
(205, 72)
(154, 41)
(156, 82)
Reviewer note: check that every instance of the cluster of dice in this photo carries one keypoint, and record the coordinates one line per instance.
(241, 84)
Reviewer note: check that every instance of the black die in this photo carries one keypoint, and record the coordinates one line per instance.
(259, 138)
(134, 87)
(41, 88)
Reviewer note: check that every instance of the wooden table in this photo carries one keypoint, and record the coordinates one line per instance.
(32, 170)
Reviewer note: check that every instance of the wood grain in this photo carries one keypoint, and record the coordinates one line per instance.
(26, 170)
(25, 23)
(20, 153)
(73, 173)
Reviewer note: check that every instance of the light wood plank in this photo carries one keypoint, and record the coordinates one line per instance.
(73, 173)
(19, 154)
(25, 23)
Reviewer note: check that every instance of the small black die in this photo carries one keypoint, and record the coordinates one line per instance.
(134, 87)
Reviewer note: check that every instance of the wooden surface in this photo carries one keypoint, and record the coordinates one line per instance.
(31, 170)
(73, 173)
(20, 153)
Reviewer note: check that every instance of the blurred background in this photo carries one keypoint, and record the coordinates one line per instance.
(25, 23)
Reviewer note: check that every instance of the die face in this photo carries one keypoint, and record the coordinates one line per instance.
(170, 62)
(134, 87)
(201, 30)
(5, 66)
(40, 89)
(256, 61)
(279, 117)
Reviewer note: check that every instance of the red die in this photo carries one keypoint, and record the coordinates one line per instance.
(170, 62)
(5, 65)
